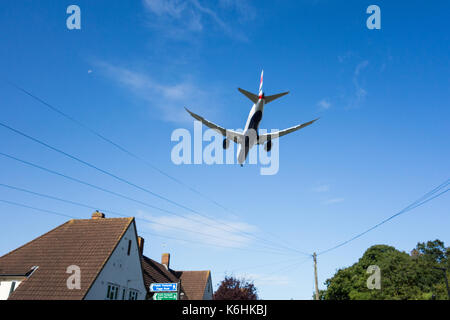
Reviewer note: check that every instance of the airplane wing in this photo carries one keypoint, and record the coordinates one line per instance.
(273, 135)
(229, 134)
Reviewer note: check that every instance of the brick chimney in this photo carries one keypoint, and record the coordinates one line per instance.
(165, 260)
(141, 245)
(98, 215)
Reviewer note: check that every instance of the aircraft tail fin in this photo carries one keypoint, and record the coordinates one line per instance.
(261, 82)
(253, 97)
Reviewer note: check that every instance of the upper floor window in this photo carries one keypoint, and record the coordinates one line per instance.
(129, 247)
(112, 292)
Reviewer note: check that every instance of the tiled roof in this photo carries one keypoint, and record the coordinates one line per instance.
(86, 243)
(193, 283)
(155, 272)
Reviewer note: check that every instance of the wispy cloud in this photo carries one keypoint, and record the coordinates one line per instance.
(349, 54)
(177, 18)
(360, 67)
(334, 200)
(173, 8)
(261, 279)
(166, 98)
(243, 9)
(324, 104)
(359, 92)
(219, 232)
(213, 15)
(322, 188)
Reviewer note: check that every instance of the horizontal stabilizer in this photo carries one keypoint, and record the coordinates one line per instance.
(275, 96)
(251, 96)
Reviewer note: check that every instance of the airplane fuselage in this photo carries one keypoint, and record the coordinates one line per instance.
(250, 136)
(251, 130)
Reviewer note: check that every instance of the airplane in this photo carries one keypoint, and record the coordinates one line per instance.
(250, 137)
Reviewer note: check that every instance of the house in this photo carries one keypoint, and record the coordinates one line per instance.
(195, 285)
(91, 259)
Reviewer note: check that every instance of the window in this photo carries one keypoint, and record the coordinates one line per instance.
(112, 292)
(133, 295)
(129, 247)
(123, 294)
(13, 286)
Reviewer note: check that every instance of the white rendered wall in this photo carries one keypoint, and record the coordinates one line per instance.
(5, 287)
(121, 269)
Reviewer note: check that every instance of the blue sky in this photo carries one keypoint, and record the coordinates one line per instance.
(382, 140)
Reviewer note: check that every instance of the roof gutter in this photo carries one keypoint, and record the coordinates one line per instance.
(27, 274)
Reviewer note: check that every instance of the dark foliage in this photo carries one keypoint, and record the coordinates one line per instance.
(235, 289)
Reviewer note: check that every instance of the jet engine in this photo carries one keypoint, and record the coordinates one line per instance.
(226, 143)
(268, 146)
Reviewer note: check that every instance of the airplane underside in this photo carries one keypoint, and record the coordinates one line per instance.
(250, 136)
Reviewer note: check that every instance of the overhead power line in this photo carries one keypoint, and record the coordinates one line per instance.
(98, 169)
(131, 154)
(123, 180)
(284, 269)
(277, 263)
(17, 204)
(39, 209)
(115, 193)
(121, 214)
(419, 202)
(116, 145)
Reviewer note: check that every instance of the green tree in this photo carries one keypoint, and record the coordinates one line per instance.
(403, 276)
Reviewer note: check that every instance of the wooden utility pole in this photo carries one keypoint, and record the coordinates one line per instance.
(315, 275)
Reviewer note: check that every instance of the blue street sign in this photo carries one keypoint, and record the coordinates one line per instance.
(164, 287)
